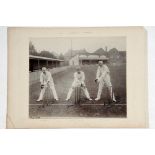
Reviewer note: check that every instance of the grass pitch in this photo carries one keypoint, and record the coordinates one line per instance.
(63, 81)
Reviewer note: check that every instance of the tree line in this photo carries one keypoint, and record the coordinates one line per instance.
(43, 53)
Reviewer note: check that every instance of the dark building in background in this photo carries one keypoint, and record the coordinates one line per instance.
(37, 62)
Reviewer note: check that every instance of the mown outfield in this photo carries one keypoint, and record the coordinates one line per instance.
(63, 81)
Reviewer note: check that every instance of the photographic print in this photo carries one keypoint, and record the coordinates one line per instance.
(77, 77)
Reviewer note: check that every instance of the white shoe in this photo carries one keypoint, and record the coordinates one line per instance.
(39, 100)
(89, 99)
(97, 99)
(67, 99)
(114, 100)
(56, 99)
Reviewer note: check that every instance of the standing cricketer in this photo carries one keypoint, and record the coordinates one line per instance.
(46, 80)
(103, 78)
(79, 78)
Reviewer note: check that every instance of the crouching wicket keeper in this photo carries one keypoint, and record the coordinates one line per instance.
(79, 78)
(46, 80)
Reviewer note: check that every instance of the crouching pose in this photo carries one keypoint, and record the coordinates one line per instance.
(46, 80)
(79, 78)
(103, 78)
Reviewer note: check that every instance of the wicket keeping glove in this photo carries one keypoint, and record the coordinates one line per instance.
(96, 80)
(42, 86)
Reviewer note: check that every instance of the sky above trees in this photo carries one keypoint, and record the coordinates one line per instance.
(62, 45)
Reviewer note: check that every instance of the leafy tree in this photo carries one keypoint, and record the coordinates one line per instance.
(32, 49)
(43, 53)
(61, 56)
(47, 54)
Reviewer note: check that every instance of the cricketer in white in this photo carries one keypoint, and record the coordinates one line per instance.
(46, 80)
(103, 78)
(79, 78)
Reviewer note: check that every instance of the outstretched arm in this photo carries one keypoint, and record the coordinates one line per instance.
(83, 77)
(41, 79)
(103, 75)
(97, 73)
(106, 71)
(49, 77)
(75, 77)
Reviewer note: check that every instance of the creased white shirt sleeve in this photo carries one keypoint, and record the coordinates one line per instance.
(106, 70)
(49, 77)
(83, 77)
(41, 79)
(98, 73)
(75, 77)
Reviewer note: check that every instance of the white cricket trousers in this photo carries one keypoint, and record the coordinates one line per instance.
(83, 88)
(109, 86)
(52, 87)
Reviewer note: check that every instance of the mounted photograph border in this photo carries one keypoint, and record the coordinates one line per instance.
(18, 78)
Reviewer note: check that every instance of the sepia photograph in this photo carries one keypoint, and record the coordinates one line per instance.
(77, 77)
